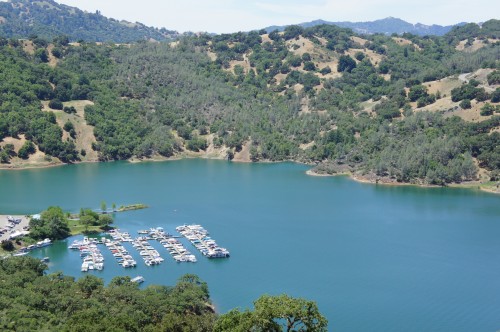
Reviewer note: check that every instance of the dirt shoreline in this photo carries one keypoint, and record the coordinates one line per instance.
(385, 182)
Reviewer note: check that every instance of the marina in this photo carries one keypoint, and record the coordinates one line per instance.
(198, 236)
(90, 254)
(173, 246)
(121, 254)
(149, 254)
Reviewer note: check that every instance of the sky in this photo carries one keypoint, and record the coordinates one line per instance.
(223, 16)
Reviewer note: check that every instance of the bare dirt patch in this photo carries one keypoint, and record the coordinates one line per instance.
(243, 156)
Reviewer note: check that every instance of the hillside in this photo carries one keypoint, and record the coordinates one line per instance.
(387, 26)
(48, 19)
(405, 109)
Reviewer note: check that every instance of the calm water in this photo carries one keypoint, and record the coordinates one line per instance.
(374, 258)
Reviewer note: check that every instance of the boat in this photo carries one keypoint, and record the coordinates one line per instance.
(138, 279)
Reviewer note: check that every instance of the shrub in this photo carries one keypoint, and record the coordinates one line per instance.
(7, 245)
(56, 104)
(465, 104)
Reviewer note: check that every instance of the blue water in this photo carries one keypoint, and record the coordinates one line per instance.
(374, 258)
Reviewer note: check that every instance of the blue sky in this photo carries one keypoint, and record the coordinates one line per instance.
(242, 15)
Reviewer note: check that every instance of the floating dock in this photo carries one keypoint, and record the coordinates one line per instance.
(173, 246)
(198, 236)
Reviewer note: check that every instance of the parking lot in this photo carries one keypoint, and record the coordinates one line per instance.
(10, 225)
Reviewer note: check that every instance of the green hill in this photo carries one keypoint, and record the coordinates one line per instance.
(404, 109)
(48, 19)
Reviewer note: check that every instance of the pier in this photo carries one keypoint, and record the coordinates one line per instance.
(198, 236)
(173, 246)
(149, 254)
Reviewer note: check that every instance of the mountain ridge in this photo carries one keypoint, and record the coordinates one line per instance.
(49, 19)
(388, 26)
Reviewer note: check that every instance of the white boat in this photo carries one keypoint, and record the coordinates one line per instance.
(138, 279)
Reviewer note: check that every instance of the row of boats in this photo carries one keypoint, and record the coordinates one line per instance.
(121, 254)
(173, 246)
(196, 234)
(90, 254)
(40, 244)
(149, 254)
(199, 237)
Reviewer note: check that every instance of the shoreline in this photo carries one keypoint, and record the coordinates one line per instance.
(360, 179)
(310, 172)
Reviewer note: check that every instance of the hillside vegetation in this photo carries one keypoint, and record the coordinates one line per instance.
(403, 108)
(47, 18)
(34, 301)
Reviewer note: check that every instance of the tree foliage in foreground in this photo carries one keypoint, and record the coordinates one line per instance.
(31, 300)
(275, 313)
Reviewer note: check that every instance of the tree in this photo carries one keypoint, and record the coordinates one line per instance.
(103, 206)
(416, 92)
(275, 313)
(105, 220)
(346, 63)
(7, 245)
(52, 224)
(465, 104)
(56, 104)
(27, 149)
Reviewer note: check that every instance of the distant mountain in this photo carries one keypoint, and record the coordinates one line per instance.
(48, 19)
(386, 26)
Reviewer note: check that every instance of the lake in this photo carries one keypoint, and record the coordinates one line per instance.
(374, 258)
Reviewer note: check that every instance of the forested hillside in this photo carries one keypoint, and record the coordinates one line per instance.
(386, 108)
(48, 19)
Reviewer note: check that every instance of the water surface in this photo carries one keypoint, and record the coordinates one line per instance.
(375, 258)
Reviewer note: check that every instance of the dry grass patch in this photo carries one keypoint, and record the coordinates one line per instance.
(245, 63)
(304, 46)
(359, 40)
(266, 39)
(243, 156)
(52, 59)
(37, 159)
(28, 46)
(403, 41)
(84, 132)
(444, 86)
(374, 57)
(212, 55)
(306, 146)
(476, 45)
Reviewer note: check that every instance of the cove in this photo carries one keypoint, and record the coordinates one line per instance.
(374, 258)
